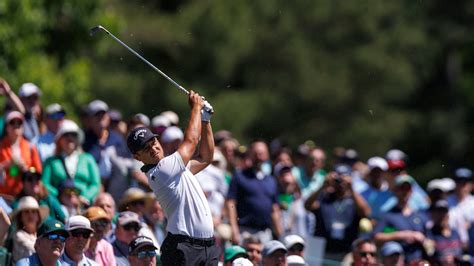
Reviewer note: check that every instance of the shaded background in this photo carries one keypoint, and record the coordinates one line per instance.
(366, 74)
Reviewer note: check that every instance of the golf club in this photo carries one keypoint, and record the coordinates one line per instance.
(98, 28)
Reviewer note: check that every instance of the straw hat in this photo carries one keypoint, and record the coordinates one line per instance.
(134, 194)
(30, 203)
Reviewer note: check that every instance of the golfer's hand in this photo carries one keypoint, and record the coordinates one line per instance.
(195, 100)
(206, 112)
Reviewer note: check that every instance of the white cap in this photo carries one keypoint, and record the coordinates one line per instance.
(291, 240)
(78, 222)
(143, 119)
(272, 246)
(295, 260)
(97, 106)
(242, 262)
(171, 133)
(377, 162)
(172, 117)
(28, 89)
(444, 184)
(160, 121)
(68, 126)
(54, 108)
(14, 115)
(395, 154)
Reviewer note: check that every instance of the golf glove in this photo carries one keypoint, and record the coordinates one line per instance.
(206, 112)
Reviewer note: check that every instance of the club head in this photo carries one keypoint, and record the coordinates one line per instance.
(96, 29)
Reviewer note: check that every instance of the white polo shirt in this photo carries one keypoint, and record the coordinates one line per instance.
(181, 198)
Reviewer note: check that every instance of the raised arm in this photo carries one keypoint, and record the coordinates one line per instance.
(206, 149)
(12, 98)
(193, 131)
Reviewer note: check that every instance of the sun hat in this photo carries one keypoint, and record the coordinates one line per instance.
(78, 222)
(134, 194)
(30, 203)
(95, 213)
(232, 251)
(28, 89)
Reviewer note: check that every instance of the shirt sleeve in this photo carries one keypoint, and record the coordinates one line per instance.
(171, 166)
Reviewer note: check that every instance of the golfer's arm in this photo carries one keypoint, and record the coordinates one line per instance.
(206, 149)
(191, 136)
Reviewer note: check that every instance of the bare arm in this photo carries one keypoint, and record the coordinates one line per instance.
(206, 149)
(12, 98)
(232, 212)
(276, 220)
(193, 131)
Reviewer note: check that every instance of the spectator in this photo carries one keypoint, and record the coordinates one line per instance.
(338, 210)
(447, 243)
(274, 254)
(401, 223)
(28, 217)
(17, 155)
(229, 148)
(170, 139)
(253, 198)
(254, 249)
(294, 217)
(135, 200)
(294, 244)
(32, 186)
(461, 202)
(69, 198)
(70, 162)
(242, 262)
(128, 225)
(311, 174)
(377, 193)
(13, 102)
(159, 123)
(4, 225)
(295, 260)
(142, 252)
(46, 143)
(49, 245)
(99, 249)
(29, 95)
(117, 125)
(106, 202)
(172, 117)
(155, 222)
(108, 149)
(213, 196)
(392, 254)
(364, 252)
(80, 230)
(438, 189)
(232, 253)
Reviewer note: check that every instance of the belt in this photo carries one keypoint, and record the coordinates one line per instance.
(206, 242)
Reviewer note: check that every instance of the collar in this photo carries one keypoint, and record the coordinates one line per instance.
(147, 167)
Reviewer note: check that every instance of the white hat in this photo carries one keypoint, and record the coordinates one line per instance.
(172, 117)
(97, 106)
(28, 89)
(444, 184)
(171, 133)
(295, 260)
(78, 222)
(242, 262)
(68, 126)
(395, 154)
(272, 246)
(143, 119)
(160, 121)
(377, 162)
(291, 240)
(14, 115)
(54, 108)
(30, 203)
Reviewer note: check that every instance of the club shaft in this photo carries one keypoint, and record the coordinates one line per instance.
(181, 88)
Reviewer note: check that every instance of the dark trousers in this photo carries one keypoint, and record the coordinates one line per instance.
(185, 250)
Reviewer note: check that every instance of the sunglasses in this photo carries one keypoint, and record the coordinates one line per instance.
(56, 236)
(56, 116)
(100, 223)
(83, 234)
(146, 254)
(296, 248)
(367, 254)
(15, 123)
(132, 226)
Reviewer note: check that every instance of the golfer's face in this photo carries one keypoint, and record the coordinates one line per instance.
(151, 154)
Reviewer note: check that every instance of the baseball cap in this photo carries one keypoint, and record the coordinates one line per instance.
(127, 217)
(138, 138)
(171, 133)
(68, 126)
(55, 109)
(395, 154)
(14, 115)
(291, 240)
(343, 169)
(95, 213)
(440, 205)
(396, 164)
(242, 262)
(171, 116)
(281, 168)
(232, 251)
(444, 184)
(390, 248)
(115, 115)
(51, 225)
(272, 246)
(295, 260)
(78, 222)
(402, 179)
(377, 162)
(28, 89)
(139, 243)
(143, 119)
(463, 173)
(97, 106)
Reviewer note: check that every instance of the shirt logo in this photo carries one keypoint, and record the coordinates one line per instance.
(140, 133)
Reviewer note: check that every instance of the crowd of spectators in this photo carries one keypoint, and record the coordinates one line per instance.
(71, 193)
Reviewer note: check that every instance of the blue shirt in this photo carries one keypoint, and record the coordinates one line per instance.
(91, 145)
(254, 198)
(446, 246)
(32, 260)
(394, 221)
(85, 261)
(46, 145)
(377, 200)
(121, 253)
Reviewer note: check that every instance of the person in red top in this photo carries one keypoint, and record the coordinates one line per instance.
(16, 155)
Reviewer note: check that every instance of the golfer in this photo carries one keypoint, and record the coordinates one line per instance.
(190, 239)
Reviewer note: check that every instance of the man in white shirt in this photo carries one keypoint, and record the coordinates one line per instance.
(190, 239)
